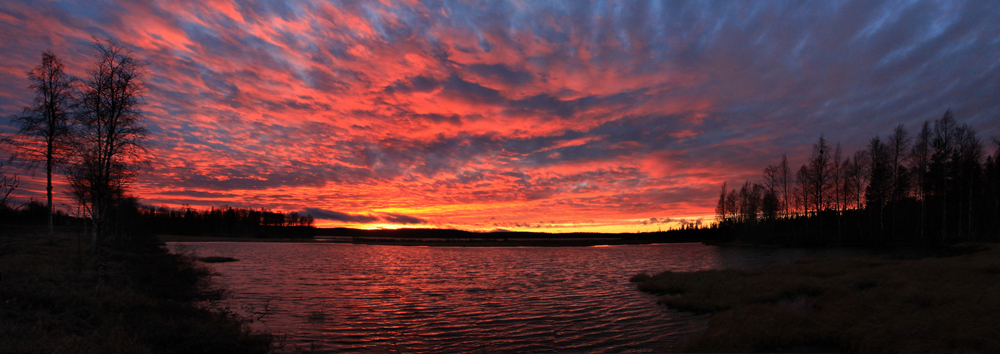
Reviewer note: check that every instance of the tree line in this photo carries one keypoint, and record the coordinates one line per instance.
(148, 221)
(241, 222)
(939, 186)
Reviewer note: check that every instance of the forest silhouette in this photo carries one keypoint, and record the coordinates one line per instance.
(939, 187)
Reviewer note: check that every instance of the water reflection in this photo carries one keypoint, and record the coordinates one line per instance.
(342, 297)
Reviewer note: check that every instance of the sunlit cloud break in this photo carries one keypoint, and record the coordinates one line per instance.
(549, 116)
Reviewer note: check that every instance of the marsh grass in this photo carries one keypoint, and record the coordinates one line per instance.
(55, 299)
(867, 305)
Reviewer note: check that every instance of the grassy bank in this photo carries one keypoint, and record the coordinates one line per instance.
(57, 299)
(947, 303)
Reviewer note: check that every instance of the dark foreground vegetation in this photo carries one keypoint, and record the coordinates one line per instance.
(102, 285)
(61, 298)
(941, 300)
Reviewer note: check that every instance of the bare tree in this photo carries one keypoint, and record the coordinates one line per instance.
(749, 202)
(784, 178)
(859, 177)
(819, 174)
(898, 143)
(803, 179)
(111, 140)
(771, 202)
(732, 203)
(772, 179)
(720, 209)
(46, 124)
(968, 162)
(879, 180)
(8, 184)
(801, 195)
(941, 169)
(992, 175)
(920, 156)
(838, 182)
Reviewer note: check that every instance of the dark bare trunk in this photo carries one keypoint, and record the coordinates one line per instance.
(48, 193)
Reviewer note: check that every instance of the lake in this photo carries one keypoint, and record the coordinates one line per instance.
(331, 297)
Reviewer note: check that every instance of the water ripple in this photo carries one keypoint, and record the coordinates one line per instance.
(359, 298)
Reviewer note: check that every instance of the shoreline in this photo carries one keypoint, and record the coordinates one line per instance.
(490, 242)
(59, 297)
(942, 302)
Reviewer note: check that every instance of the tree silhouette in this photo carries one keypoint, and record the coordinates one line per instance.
(110, 143)
(920, 155)
(771, 205)
(991, 176)
(947, 179)
(803, 180)
(720, 208)
(817, 178)
(229, 221)
(733, 204)
(819, 175)
(838, 184)
(940, 170)
(857, 175)
(8, 183)
(897, 145)
(968, 158)
(784, 179)
(879, 179)
(46, 123)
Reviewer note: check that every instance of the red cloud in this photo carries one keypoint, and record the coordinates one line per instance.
(552, 118)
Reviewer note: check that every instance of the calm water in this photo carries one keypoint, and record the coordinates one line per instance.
(468, 299)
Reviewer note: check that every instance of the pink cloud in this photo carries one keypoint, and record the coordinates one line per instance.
(482, 116)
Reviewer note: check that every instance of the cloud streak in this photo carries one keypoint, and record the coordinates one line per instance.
(339, 216)
(565, 115)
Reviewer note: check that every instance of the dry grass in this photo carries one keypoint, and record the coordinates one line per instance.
(54, 299)
(864, 305)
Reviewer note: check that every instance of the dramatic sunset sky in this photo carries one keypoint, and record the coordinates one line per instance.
(521, 115)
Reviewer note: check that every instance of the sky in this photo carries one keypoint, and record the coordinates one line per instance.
(551, 116)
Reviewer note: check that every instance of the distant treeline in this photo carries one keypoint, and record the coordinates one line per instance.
(683, 234)
(241, 222)
(135, 219)
(35, 213)
(941, 186)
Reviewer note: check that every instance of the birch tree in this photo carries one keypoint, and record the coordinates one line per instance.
(45, 126)
(111, 140)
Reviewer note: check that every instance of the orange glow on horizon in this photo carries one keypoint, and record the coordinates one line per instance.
(539, 116)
